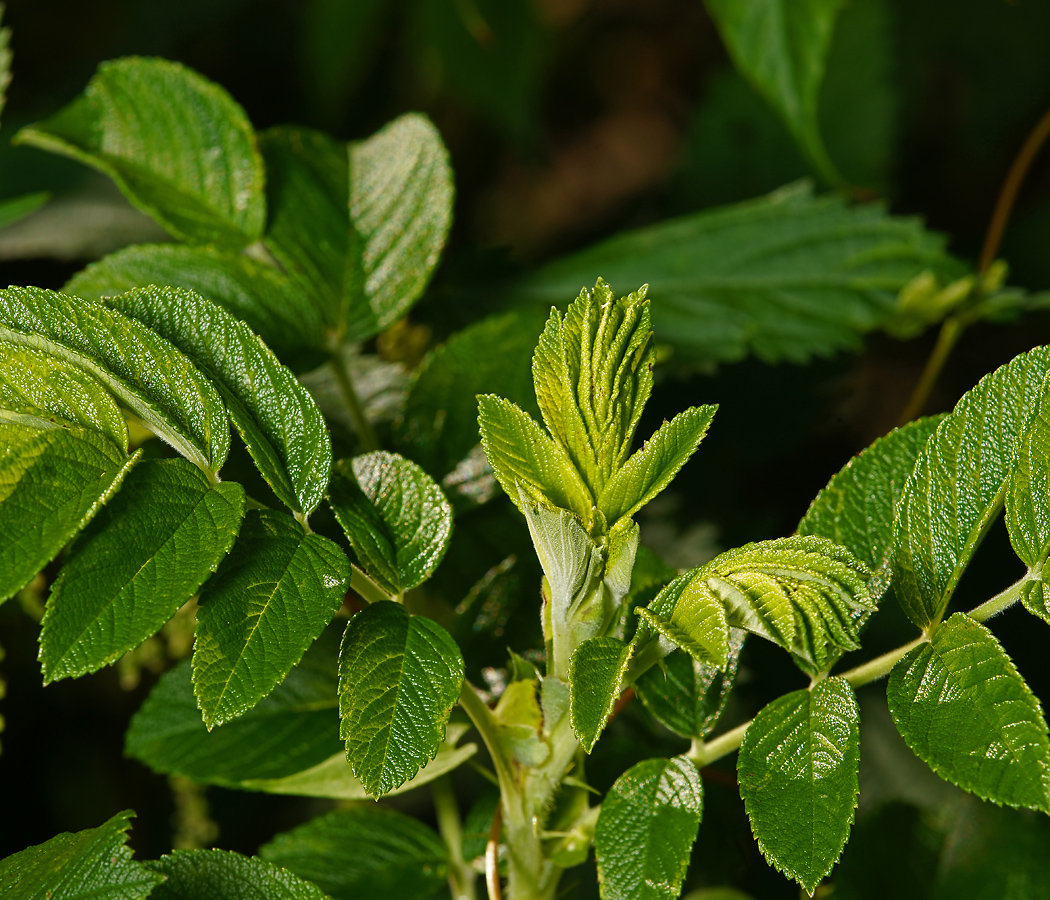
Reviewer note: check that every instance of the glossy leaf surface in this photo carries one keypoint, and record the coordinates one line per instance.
(689, 614)
(797, 770)
(145, 554)
(225, 875)
(595, 678)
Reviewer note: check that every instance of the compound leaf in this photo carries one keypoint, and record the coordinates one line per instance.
(141, 558)
(595, 680)
(399, 676)
(964, 710)
(275, 415)
(142, 370)
(94, 864)
(646, 829)
(272, 596)
(225, 875)
(959, 483)
(396, 518)
(797, 769)
(364, 851)
(177, 146)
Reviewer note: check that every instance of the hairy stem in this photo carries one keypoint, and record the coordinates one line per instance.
(461, 876)
(362, 426)
(365, 587)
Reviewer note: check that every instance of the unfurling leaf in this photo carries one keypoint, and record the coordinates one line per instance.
(210, 874)
(595, 679)
(689, 614)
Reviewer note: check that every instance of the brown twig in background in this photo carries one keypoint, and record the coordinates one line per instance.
(492, 857)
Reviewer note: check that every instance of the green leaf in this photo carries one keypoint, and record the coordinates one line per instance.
(857, 506)
(276, 417)
(596, 679)
(523, 457)
(53, 481)
(652, 468)
(786, 277)
(95, 864)
(399, 676)
(797, 770)
(15, 209)
(225, 875)
(964, 710)
(36, 383)
(689, 696)
(646, 829)
(178, 147)
(957, 488)
(272, 596)
(142, 370)
(270, 303)
(294, 728)
(142, 557)
(362, 228)
(781, 47)
(440, 420)
(691, 615)
(364, 851)
(396, 518)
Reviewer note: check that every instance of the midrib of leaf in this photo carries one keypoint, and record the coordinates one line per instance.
(397, 693)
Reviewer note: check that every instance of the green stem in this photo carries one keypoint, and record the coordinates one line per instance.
(362, 426)
(1005, 598)
(461, 876)
(951, 330)
(485, 723)
(365, 587)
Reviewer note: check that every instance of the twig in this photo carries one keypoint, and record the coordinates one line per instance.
(492, 857)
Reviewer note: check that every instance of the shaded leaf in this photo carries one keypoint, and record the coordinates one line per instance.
(645, 832)
(797, 770)
(17, 208)
(145, 554)
(225, 875)
(595, 679)
(177, 145)
(964, 709)
(364, 851)
(399, 676)
(272, 596)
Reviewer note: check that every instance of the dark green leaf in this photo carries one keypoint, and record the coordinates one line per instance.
(958, 485)
(177, 145)
(364, 852)
(142, 370)
(786, 277)
(646, 829)
(797, 770)
(145, 554)
(397, 519)
(52, 483)
(964, 709)
(88, 865)
(270, 598)
(276, 417)
(224, 875)
(399, 676)
(595, 679)
(270, 303)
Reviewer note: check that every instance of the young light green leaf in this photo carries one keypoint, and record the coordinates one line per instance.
(276, 417)
(141, 558)
(178, 147)
(364, 851)
(652, 468)
(688, 696)
(646, 829)
(399, 676)
(293, 729)
(53, 481)
(691, 615)
(36, 383)
(142, 370)
(595, 680)
(958, 485)
(225, 875)
(396, 518)
(786, 277)
(95, 864)
(272, 596)
(271, 304)
(805, 593)
(781, 47)
(856, 508)
(524, 457)
(797, 770)
(964, 710)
